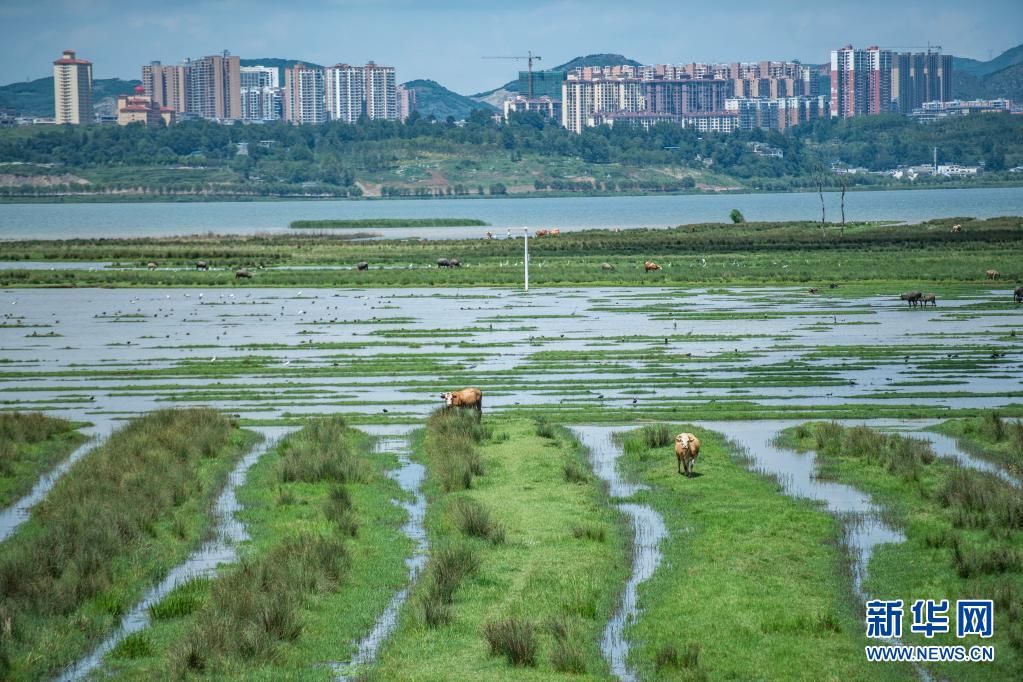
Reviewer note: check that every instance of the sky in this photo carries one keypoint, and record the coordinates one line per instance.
(445, 41)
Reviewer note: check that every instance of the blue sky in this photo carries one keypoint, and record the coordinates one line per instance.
(445, 40)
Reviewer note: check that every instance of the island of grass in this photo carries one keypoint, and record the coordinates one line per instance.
(387, 222)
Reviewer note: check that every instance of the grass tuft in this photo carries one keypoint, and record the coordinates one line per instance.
(512, 638)
(474, 520)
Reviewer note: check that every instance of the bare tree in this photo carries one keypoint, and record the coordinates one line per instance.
(819, 178)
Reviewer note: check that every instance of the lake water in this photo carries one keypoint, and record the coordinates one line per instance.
(62, 221)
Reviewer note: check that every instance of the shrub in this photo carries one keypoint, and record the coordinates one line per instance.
(737, 216)
(322, 451)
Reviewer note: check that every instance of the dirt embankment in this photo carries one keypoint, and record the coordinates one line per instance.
(11, 180)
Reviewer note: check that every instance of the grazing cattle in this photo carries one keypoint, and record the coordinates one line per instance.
(443, 263)
(455, 263)
(242, 274)
(650, 266)
(956, 229)
(151, 265)
(467, 397)
(1017, 295)
(687, 448)
(929, 298)
(814, 290)
(202, 265)
(606, 266)
(832, 286)
(912, 297)
(555, 232)
(362, 265)
(992, 274)
(541, 233)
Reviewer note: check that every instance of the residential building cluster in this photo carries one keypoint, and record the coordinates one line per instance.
(707, 97)
(876, 81)
(219, 88)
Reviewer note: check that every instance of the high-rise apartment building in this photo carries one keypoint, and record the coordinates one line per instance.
(861, 81)
(776, 113)
(72, 90)
(214, 87)
(167, 86)
(920, 77)
(304, 95)
(381, 92)
(261, 98)
(258, 77)
(406, 102)
(346, 92)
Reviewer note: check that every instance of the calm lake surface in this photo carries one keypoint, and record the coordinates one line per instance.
(62, 221)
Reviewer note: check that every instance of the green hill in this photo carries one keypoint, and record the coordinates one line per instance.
(434, 98)
(35, 98)
(601, 59)
(979, 69)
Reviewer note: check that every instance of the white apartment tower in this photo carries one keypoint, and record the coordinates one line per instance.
(72, 90)
(346, 92)
(381, 93)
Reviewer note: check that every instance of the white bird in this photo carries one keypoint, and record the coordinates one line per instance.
(287, 362)
(213, 359)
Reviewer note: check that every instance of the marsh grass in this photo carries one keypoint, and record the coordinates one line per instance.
(899, 455)
(340, 510)
(447, 568)
(450, 444)
(111, 511)
(575, 472)
(182, 601)
(474, 520)
(30, 444)
(568, 654)
(258, 606)
(321, 452)
(657, 436)
(590, 532)
(512, 637)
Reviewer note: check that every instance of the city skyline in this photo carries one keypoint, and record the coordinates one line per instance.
(445, 42)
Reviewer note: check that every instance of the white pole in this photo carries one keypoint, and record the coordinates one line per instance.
(525, 258)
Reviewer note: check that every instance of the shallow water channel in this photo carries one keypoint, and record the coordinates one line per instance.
(410, 476)
(648, 530)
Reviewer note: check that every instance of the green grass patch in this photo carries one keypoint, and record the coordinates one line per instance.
(31, 444)
(325, 557)
(991, 436)
(389, 222)
(114, 524)
(752, 584)
(532, 607)
(964, 536)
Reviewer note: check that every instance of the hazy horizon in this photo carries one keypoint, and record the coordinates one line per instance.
(445, 41)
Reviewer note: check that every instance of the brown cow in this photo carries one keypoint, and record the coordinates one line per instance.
(929, 298)
(650, 266)
(606, 266)
(151, 265)
(542, 233)
(992, 274)
(467, 397)
(687, 448)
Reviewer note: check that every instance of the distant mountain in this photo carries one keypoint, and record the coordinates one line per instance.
(497, 96)
(35, 98)
(1000, 77)
(434, 98)
(973, 67)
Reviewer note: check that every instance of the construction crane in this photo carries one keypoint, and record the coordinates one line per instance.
(529, 57)
(928, 47)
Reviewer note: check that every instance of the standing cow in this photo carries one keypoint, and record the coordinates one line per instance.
(202, 265)
(650, 266)
(1017, 295)
(467, 397)
(992, 274)
(687, 448)
(929, 298)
